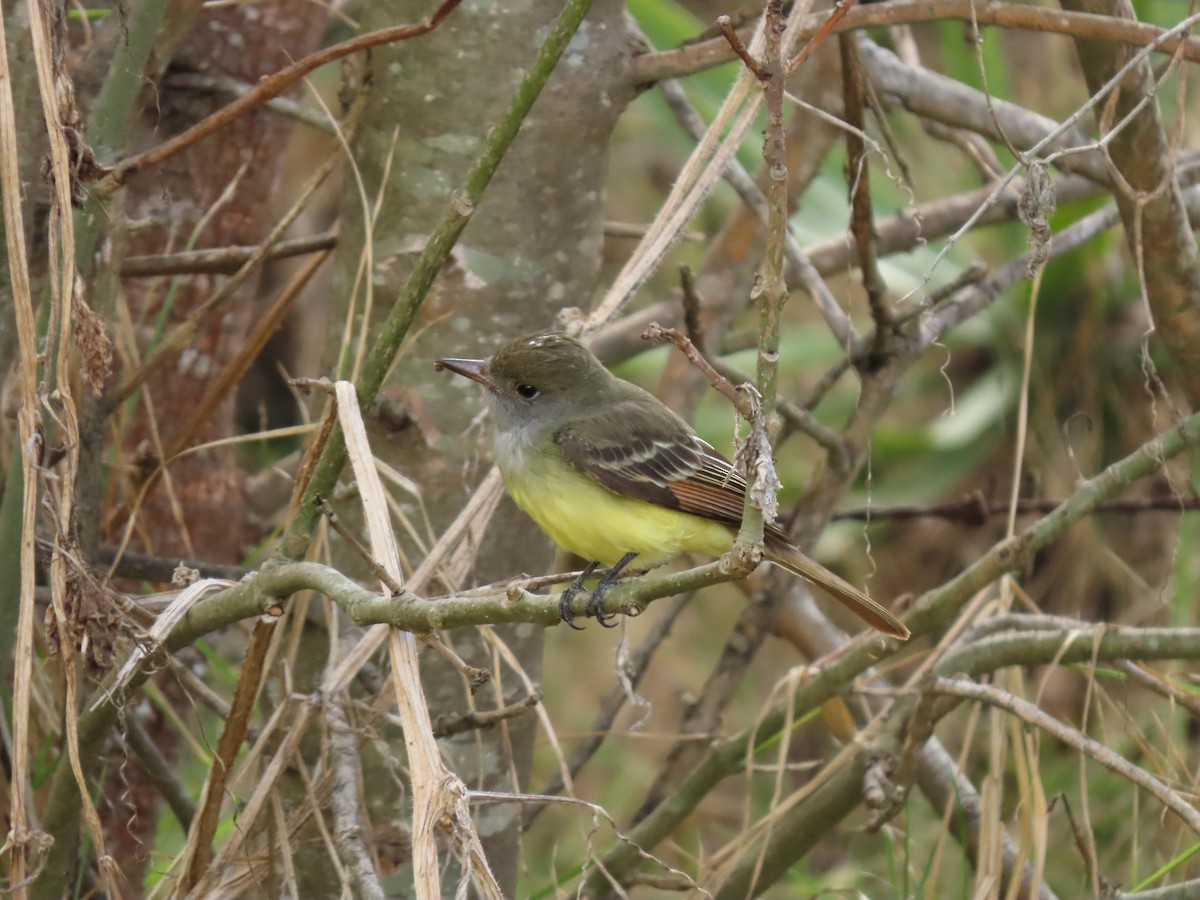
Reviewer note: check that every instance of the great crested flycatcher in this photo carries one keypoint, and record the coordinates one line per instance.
(612, 475)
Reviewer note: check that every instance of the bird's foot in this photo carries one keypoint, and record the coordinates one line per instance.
(564, 602)
(595, 604)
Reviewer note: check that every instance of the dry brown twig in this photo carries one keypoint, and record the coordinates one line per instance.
(233, 733)
(447, 725)
(266, 89)
(650, 68)
(656, 334)
(222, 260)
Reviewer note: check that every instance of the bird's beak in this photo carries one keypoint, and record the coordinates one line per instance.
(475, 369)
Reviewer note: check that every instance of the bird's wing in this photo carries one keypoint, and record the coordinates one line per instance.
(657, 460)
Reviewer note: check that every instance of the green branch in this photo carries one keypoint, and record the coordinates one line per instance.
(934, 610)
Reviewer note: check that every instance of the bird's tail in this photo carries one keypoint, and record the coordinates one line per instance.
(787, 556)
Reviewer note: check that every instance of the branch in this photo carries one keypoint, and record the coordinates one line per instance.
(755, 200)
(936, 323)
(839, 787)
(656, 334)
(769, 293)
(264, 90)
(932, 611)
(1184, 890)
(233, 733)
(1029, 713)
(346, 802)
(949, 101)
(225, 84)
(862, 217)
(448, 725)
(176, 340)
(974, 509)
(634, 667)
(650, 68)
(954, 796)
(1156, 225)
(159, 771)
(222, 260)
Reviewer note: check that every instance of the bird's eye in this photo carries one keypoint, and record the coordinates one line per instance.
(527, 391)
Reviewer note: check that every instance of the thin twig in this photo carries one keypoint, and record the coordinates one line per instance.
(975, 509)
(1027, 712)
(225, 84)
(159, 770)
(798, 418)
(357, 546)
(840, 8)
(613, 703)
(222, 260)
(267, 88)
(237, 723)
(752, 195)
(693, 323)
(972, 274)
(448, 725)
(725, 26)
(1159, 684)
(1183, 890)
(656, 334)
(862, 217)
(181, 336)
(651, 68)
(221, 387)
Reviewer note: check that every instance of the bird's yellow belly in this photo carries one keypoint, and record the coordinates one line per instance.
(589, 520)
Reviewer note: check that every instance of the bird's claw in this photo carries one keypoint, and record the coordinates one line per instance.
(568, 596)
(595, 603)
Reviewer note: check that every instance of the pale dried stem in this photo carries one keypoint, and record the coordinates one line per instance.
(31, 447)
(439, 797)
(1114, 762)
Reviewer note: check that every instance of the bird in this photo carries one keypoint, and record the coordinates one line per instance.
(612, 474)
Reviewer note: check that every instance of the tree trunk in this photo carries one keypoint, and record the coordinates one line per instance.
(532, 247)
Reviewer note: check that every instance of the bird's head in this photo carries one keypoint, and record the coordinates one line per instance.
(537, 378)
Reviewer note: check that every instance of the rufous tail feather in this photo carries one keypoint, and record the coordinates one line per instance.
(789, 557)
